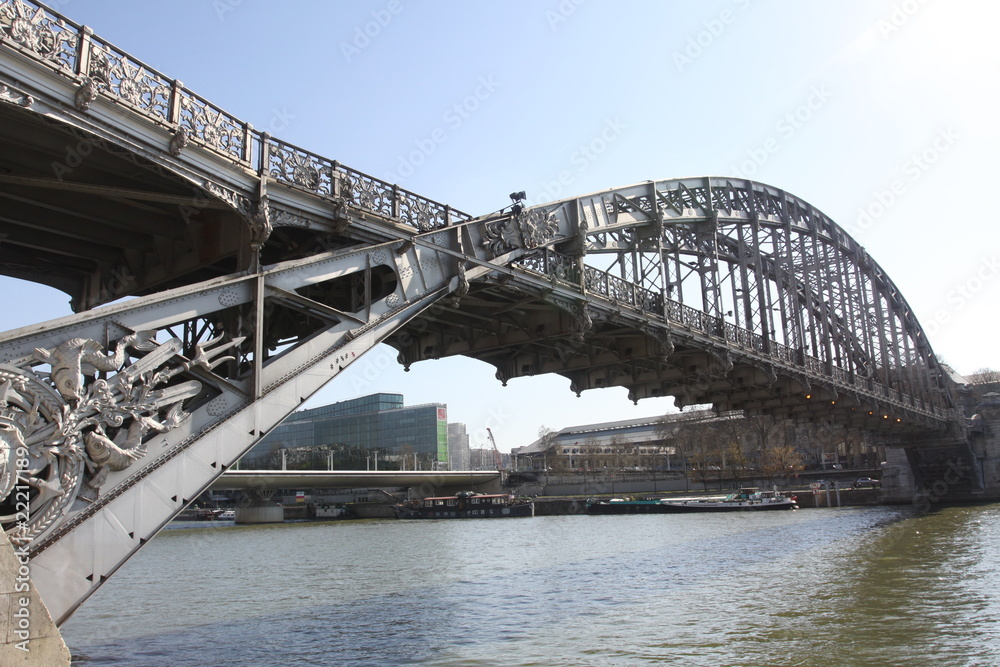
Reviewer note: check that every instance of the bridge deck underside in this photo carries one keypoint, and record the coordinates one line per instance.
(96, 219)
(98, 222)
(524, 331)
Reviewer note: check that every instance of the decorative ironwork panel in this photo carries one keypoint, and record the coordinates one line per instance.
(815, 365)
(552, 264)
(782, 352)
(534, 263)
(73, 429)
(422, 214)
(595, 280)
(675, 311)
(49, 36)
(563, 267)
(648, 301)
(692, 317)
(620, 290)
(369, 193)
(301, 168)
(213, 127)
(121, 76)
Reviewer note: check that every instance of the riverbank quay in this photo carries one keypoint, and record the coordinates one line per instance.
(807, 499)
(576, 504)
(570, 504)
(632, 482)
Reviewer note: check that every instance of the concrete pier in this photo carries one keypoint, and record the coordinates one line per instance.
(28, 636)
(264, 511)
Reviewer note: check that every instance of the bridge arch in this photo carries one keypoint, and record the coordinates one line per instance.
(714, 290)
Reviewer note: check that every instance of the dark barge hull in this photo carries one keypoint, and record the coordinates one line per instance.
(680, 508)
(514, 511)
(637, 507)
(651, 507)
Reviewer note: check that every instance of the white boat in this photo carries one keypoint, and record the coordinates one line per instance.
(746, 499)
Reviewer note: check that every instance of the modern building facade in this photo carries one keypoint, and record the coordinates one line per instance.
(368, 429)
(458, 447)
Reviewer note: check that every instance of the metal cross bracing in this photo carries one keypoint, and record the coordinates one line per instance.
(258, 271)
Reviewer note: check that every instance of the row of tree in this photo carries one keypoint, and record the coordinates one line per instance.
(730, 448)
(737, 448)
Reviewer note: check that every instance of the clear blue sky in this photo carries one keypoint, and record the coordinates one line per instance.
(879, 112)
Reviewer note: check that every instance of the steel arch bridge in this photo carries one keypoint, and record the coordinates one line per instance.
(258, 271)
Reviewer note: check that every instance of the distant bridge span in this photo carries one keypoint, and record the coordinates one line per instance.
(237, 480)
(259, 271)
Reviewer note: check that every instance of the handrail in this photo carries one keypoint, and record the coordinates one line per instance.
(621, 292)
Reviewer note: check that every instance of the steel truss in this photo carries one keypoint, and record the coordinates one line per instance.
(776, 275)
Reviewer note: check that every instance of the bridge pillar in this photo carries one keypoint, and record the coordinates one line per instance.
(260, 508)
(261, 512)
(985, 441)
(947, 470)
(28, 636)
(898, 485)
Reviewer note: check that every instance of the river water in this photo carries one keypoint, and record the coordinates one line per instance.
(851, 586)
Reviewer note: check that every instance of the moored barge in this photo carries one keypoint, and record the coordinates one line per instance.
(466, 505)
(745, 500)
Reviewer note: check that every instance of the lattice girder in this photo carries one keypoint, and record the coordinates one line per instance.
(767, 273)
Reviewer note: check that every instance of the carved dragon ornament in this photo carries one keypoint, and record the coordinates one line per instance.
(73, 414)
(528, 229)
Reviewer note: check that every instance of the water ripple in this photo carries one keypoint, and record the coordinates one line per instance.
(852, 586)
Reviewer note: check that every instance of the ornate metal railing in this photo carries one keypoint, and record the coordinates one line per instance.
(554, 265)
(101, 69)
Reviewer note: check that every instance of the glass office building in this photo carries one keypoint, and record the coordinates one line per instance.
(378, 423)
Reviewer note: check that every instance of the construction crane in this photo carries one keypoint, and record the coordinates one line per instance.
(496, 453)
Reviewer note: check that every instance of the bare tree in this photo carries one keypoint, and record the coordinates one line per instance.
(984, 375)
(765, 431)
(591, 454)
(824, 438)
(734, 460)
(620, 451)
(984, 381)
(406, 456)
(702, 451)
(780, 461)
(547, 439)
(731, 436)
